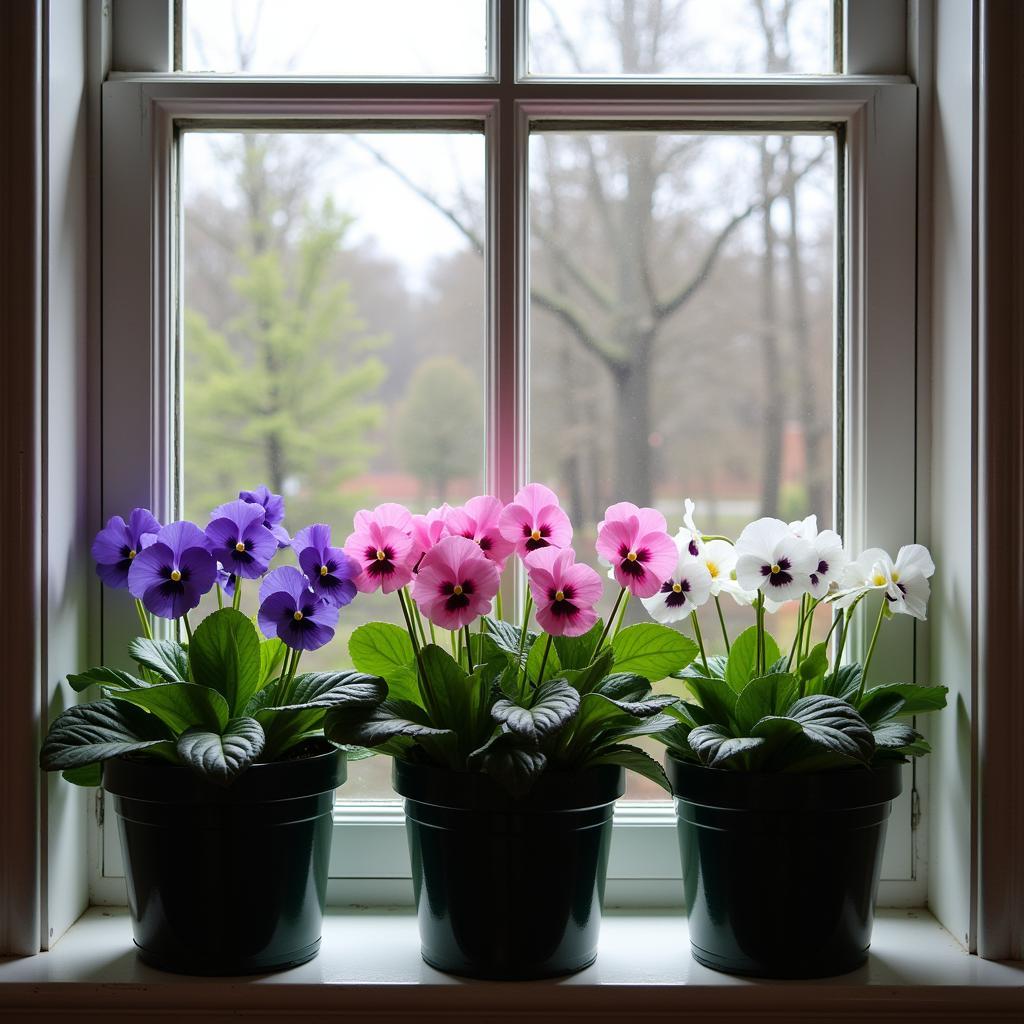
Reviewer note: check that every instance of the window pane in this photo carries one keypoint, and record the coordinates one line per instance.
(328, 311)
(697, 332)
(680, 37)
(336, 37)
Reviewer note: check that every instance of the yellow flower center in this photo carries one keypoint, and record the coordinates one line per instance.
(381, 556)
(559, 595)
(457, 590)
(175, 575)
(712, 569)
(677, 588)
(631, 556)
(297, 616)
(323, 570)
(878, 579)
(535, 535)
(240, 546)
(132, 553)
(895, 576)
(776, 568)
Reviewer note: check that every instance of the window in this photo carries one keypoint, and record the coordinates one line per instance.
(643, 285)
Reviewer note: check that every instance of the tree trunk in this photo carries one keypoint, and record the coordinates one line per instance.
(771, 385)
(632, 432)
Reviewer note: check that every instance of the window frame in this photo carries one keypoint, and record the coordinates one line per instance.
(877, 194)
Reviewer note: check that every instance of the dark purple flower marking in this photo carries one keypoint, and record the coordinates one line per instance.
(291, 611)
(172, 574)
(778, 573)
(237, 539)
(118, 543)
(330, 571)
(676, 592)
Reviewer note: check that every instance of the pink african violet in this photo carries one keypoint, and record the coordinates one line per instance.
(564, 591)
(478, 520)
(428, 529)
(455, 583)
(534, 520)
(635, 543)
(382, 548)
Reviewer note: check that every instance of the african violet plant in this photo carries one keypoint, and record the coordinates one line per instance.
(760, 709)
(228, 697)
(506, 699)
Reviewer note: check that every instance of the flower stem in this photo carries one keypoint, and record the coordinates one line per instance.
(759, 659)
(700, 641)
(188, 627)
(522, 635)
(144, 619)
(837, 618)
(237, 601)
(806, 614)
(425, 691)
(847, 619)
(714, 536)
(622, 615)
(607, 625)
(871, 650)
(220, 597)
(721, 622)
(469, 651)
(419, 618)
(544, 660)
(433, 635)
(498, 604)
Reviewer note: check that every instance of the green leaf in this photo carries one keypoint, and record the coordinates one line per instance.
(813, 668)
(646, 708)
(109, 678)
(764, 696)
(576, 651)
(506, 636)
(917, 700)
(331, 689)
(835, 726)
(635, 760)
(272, 652)
(372, 726)
(623, 686)
(844, 682)
(220, 756)
(99, 730)
(554, 703)
(225, 655)
(552, 668)
(652, 650)
(716, 697)
(895, 734)
(181, 705)
(739, 669)
(653, 725)
(716, 668)
(589, 679)
(717, 748)
(381, 648)
(165, 657)
(514, 766)
(87, 775)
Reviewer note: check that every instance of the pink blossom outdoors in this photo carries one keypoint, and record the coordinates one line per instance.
(478, 520)
(635, 543)
(455, 583)
(381, 547)
(564, 592)
(535, 520)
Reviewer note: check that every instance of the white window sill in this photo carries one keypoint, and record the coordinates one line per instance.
(369, 966)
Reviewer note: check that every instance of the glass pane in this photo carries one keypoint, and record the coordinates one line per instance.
(397, 38)
(684, 284)
(328, 309)
(649, 38)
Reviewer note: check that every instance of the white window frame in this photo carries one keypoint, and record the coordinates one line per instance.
(878, 196)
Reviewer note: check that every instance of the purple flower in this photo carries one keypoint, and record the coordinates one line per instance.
(291, 611)
(117, 544)
(226, 580)
(173, 573)
(273, 508)
(236, 538)
(330, 570)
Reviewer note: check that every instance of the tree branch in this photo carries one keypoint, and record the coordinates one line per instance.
(591, 286)
(614, 359)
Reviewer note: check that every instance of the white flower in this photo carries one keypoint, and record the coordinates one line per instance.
(904, 582)
(828, 549)
(771, 559)
(686, 590)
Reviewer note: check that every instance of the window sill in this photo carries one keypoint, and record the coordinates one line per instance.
(370, 967)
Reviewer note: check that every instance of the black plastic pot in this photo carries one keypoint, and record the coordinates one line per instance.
(226, 880)
(780, 871)
(508, 889)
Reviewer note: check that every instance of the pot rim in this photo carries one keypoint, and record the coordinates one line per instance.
(763, 791)
(161, 782)
(593, 787)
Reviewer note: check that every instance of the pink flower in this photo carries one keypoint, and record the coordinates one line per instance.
(635, 543)
(478, 520)
(563, 591)
(428, 530)
(455, 583)
(381, 546)
(535, 520)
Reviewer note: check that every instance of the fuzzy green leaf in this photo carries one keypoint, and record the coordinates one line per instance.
(652, 650)
(739, 669)
(225, 656)
(167, 658)
(86, 733)
(221, 756)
